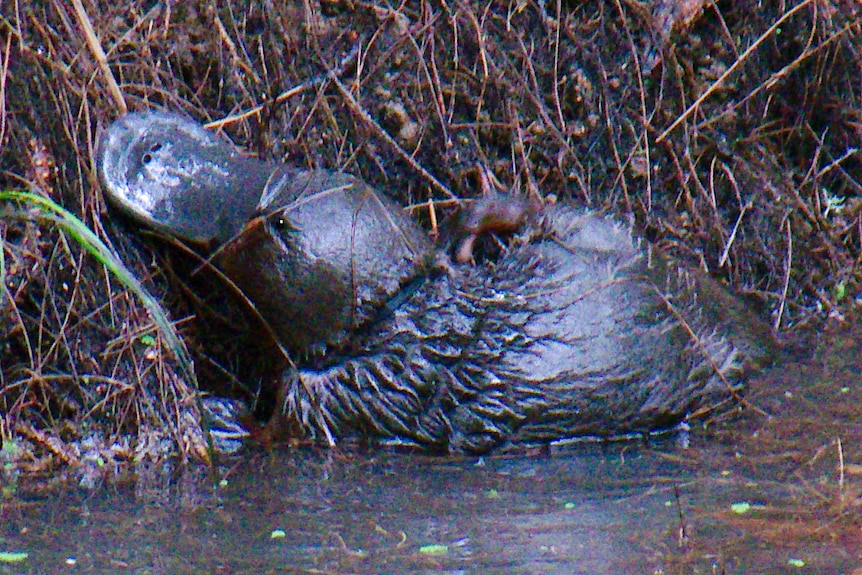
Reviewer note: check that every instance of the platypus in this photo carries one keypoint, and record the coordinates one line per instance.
(579, 329)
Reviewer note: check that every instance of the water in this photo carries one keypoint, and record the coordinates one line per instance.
(361, 513)
(774, 489)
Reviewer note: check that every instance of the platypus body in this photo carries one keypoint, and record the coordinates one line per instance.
(577, 330)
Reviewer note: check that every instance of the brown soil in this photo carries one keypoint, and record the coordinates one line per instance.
(728, 131)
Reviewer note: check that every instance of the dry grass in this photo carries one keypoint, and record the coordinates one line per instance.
(729, 132)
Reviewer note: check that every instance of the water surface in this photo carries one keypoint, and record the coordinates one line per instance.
(772, 488)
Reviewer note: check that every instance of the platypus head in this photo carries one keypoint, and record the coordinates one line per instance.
(326, 257)
(318, 253)
(170, 173)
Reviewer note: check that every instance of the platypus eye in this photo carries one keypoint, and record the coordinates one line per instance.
(283, 226)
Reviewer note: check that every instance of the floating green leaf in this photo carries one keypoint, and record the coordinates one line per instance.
(796, 562)
(13, 556)
(741, 507)
(434, 549)
(277, 534)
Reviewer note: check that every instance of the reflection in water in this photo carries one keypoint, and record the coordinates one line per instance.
(579, 512)
(590, 510)
(558, 514)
